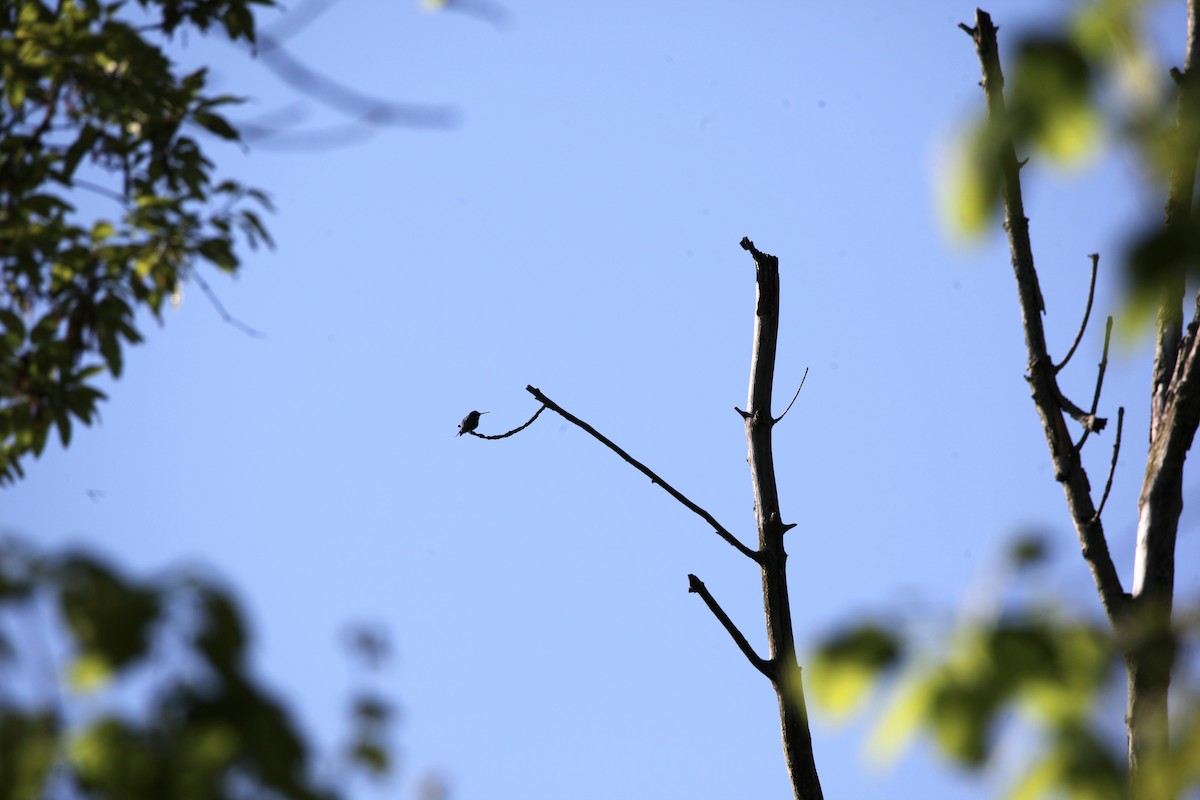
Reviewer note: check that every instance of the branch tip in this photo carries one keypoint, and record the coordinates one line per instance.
(514, 431)
(1087, 312)
(797, 394)
(696, 586)
(1112, 468)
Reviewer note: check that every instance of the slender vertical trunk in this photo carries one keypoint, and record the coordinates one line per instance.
(785, 671)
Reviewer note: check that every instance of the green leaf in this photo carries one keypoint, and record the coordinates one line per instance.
(221, 638)
(28, 746)
(1050, 98)
(219, 251)
(15, 93)
(969, 185)
(109, 617)
(63, 421)
(215, 123)
(90, 672)
(373, 757)
(102, 230)
(14, 329)
(78, 149)
(45, 205)
(847, 666)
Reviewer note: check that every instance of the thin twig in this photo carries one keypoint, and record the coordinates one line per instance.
(797, 394)
(642, 468)
(514, 430)
(103, 191)
(1112, 468)
(348, 101)
(225, 315)
(1098, 424)
(1087, 311)
(695, 585)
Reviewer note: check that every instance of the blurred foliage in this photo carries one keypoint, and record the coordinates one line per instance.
(1035, 672)
(169, 708)
(1099, 80)
(107, 200)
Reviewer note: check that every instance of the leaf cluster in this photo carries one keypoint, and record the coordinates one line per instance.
(207, 729)
(89, 102)
(1032, 669)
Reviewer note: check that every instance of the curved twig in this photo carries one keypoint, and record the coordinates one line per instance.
(1097, 423)
(797, 394)
(514, 431)
(225, 315)
(1087, 312)
(1112, 468)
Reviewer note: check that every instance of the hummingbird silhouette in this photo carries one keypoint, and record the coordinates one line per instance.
(470, 422)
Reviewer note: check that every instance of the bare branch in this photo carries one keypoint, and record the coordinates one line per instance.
(781, 644)
(348, 101)
(1087, 312)
(764, 666)
(642, 468)
(797, 394)
(514, 431)
(1047, 397)
(225, 315)
(1112, 468)
(1097, 422)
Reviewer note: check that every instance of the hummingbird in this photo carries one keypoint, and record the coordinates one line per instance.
(470, 422)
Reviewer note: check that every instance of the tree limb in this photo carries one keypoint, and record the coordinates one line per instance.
(1047, 397)
(697, 586)
(642, 468)
(797, 737)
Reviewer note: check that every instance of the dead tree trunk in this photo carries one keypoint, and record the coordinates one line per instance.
(780, 666)
(785, 672)
(1141, 619)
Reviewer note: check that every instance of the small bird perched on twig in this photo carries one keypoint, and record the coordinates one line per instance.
(470, 422)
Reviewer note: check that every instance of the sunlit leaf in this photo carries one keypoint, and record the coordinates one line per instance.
(846, 666)
(1050, 99)
(28, 746)
(90, 672)
(969, 184)
(904, 717)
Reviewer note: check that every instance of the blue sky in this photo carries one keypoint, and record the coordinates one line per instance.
(578, 230)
